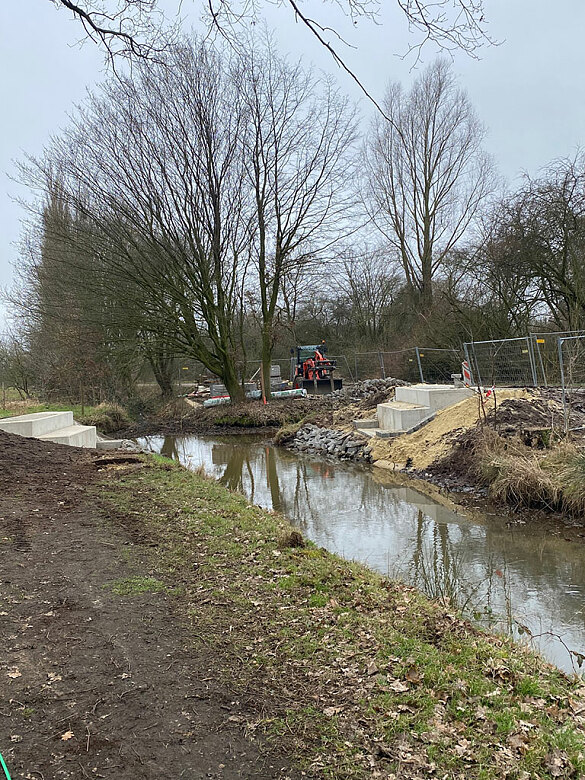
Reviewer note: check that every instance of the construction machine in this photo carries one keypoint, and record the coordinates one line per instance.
(314, 371)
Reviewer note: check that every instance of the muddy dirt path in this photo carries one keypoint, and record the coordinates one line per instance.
(94, 684)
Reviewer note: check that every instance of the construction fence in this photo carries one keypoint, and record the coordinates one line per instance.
(571, 352)
(418, 364)
(546, 360)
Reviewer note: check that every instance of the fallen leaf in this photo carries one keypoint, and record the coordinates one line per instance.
(14, 673)
(15, 738)
(331, 711)
(397, 686)
(518, 742)
(413, 675)
(67, 735)
(372, 668)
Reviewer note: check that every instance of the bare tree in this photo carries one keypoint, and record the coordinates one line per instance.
(299, 155)
(427, 175)
(370, 284)
(542, 227)
(153, 166)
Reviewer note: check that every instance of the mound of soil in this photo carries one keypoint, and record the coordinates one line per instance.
(536, 419)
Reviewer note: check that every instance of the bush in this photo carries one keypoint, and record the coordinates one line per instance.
(107, 418)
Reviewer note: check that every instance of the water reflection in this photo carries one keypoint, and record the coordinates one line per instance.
(507, 578)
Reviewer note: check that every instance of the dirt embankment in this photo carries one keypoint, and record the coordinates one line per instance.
(183, 417)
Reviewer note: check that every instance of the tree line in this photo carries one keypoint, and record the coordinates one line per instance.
(225, 204)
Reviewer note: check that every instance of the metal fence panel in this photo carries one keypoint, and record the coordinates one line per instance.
(437, 365)
(401, 364)
(571, 352)
(507, 362)
(546, 351)
(368, 365)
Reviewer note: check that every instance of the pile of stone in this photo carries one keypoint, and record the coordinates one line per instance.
(369, 388)
(324, 441)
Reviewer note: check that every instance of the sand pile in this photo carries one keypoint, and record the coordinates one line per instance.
(435, 440)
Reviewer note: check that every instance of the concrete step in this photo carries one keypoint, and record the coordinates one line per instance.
(73, 435)
(369, 432)
(434, 396)
(36, 425)
(400, 416)
(371, 422)
(383, 433)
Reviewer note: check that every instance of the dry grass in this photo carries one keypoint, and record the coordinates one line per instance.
(554, 478)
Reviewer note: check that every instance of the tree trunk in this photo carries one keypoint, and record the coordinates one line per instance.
(231, 381)
(162, 370)
(267, 357)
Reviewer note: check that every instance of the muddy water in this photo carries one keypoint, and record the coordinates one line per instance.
(519, 579)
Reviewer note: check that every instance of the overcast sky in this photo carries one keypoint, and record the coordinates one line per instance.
(529, 90)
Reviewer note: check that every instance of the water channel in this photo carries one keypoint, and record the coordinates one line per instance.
(510, 579)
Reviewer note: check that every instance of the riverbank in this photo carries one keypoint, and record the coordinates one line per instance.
(248, 639)
(506, 455)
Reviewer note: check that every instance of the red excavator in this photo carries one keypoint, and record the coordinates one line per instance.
(314, 371)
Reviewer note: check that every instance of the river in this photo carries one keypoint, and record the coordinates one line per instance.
(521, 579)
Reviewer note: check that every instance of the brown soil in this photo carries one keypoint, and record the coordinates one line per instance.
(183, 417)
(95, 684)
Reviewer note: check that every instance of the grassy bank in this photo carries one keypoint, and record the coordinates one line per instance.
(358, 676)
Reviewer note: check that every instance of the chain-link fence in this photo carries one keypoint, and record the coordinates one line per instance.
(417, 364)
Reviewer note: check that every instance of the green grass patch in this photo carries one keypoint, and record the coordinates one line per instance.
(133, 586)
(359, 675)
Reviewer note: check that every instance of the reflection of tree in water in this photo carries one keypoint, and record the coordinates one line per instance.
(237, 462)
(308, 508)
(272, 478)
(439, 569)
(170, 448)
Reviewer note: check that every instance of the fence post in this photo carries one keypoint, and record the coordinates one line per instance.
(562, 367)
(477, 371)
(468, 361)
(382, 369)
(534, 338)
(530, 346)
(420, 371)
